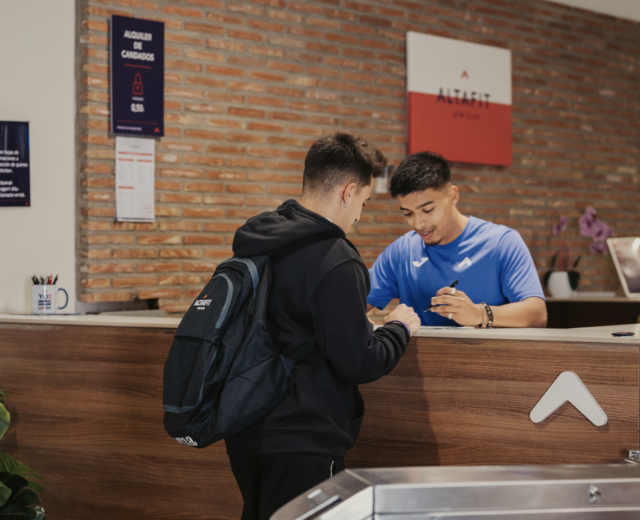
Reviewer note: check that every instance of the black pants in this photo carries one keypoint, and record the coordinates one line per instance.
(267, 482)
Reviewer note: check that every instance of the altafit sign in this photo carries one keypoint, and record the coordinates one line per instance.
(459, 96)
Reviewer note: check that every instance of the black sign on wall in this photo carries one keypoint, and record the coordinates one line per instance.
(14, 164)
(137, 76)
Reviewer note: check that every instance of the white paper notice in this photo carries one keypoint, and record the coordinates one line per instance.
(135, 191)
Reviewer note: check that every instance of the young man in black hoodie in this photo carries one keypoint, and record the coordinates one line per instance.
(319, 295)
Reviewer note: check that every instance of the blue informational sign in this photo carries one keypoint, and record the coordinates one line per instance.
(137, 76)
(14, 164)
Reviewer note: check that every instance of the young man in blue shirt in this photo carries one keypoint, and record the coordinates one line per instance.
(498, 284)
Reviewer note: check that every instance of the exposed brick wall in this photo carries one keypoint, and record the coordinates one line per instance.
(249, 86)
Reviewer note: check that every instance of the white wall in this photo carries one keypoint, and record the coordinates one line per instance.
(37, 52)
(629, 9)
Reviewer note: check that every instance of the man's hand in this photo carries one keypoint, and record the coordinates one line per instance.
(457, 306)
(407, 316)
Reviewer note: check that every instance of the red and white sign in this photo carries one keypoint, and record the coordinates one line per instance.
(459, 99)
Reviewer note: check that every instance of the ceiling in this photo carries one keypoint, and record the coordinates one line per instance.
(629, 9)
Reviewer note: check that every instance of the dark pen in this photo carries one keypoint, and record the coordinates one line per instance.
(450, 287)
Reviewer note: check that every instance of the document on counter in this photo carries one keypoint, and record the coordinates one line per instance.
(135, 184)
(432, 327)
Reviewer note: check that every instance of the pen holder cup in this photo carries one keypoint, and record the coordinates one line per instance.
(43, 299)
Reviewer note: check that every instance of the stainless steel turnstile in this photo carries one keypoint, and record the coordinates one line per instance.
(590, 492)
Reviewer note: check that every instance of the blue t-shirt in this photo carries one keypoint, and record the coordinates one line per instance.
(491, 262)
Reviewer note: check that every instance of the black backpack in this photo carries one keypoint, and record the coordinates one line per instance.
(223, 371)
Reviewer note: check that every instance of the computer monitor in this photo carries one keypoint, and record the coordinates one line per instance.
(626, 255)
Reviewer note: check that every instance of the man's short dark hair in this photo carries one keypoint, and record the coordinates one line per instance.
(420, 171)
(341, 158)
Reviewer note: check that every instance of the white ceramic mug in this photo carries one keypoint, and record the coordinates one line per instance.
(43, 299)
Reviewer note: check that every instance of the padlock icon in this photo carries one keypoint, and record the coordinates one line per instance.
(138, 88)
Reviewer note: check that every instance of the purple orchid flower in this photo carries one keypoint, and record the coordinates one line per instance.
(600, 231)
(587, 222)
(598, 247)
(560, 226)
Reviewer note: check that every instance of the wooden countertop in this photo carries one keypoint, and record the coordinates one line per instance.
(583, 335)
(94, 320)
(594, 299)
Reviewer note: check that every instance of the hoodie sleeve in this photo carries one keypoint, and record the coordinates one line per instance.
(345, 336)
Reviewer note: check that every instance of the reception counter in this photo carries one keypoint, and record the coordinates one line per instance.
(87, 410)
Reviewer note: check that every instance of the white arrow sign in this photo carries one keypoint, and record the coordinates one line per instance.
(568, 387)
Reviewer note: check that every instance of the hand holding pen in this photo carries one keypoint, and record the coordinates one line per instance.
(455, 305)
(452, 286)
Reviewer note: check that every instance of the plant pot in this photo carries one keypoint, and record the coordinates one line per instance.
(559, 285)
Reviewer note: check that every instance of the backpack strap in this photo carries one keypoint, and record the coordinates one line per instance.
(297, 352)
(253, 270)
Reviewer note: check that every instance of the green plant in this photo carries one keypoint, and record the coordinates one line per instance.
(565, 257)
(5, 417)
(18, 489)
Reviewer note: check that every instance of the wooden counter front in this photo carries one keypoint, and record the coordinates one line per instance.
(87, 413)
(467, 402)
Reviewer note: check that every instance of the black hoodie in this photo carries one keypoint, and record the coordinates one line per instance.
(319, 293)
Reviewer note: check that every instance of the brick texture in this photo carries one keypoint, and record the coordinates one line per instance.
(250, 85)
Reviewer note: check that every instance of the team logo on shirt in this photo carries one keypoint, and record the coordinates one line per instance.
(466, 261)
(418, 263)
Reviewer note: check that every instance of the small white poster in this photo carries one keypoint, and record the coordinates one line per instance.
(135, 191)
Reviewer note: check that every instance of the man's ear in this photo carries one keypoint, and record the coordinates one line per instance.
(348, 193)
(454, 195)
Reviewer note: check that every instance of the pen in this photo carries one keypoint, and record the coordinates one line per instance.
(55, 280)
(451, 287)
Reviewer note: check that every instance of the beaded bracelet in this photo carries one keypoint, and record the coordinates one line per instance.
(490, 313)
(483, 324)
(487, 317)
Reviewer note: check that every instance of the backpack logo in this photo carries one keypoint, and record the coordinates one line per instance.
(466, 261)
(201, 304)
(187, 441)
(418, 263)
(568, 387)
